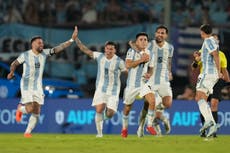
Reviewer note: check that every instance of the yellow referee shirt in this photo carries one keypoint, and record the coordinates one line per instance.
(223, 61)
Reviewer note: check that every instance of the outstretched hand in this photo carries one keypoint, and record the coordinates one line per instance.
(10, 76)
(75, 33)
(197, 56)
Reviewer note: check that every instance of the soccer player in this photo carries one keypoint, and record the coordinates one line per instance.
(33, 62)
(215, 97)
(160, 117)
(157, 118)
(208, 77)
(137, 62)
(106, 96)
(162, 53)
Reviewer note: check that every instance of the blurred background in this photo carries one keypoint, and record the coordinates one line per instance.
(116, 20)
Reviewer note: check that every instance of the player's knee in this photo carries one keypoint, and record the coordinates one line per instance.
(110, 113)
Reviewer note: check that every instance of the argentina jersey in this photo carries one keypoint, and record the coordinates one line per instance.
(209, 45)
(108, 73)
(136, 74)
(161, 57)
(33, 67)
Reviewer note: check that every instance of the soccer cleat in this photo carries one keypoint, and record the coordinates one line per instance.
(151, 130)
(206, 126)
(203, 134)
(167, 127)
(140, 132)
(212, 130)
(27, 135)
(124, 133)
(18, 115)
(99, 135)
(214, 135)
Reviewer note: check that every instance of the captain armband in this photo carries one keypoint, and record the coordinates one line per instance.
(52, 52)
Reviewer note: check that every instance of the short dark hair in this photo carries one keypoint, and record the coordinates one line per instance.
(142, 34)
(206, 28)
(162, 27)
(34, 38)
(111, 43)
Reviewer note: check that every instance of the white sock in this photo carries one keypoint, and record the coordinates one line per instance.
(32, 122)
(99, 122)
(164, 119)
(142, 119)
(105, 117)
(205, 110)
(125, 121)
(150, 117)
(23, 109)
(141, 124)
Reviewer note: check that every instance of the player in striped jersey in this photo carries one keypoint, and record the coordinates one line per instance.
(208, 77)
(137, 61)
(215, 97)
(162, 53)
(32, 96)
(106, 96)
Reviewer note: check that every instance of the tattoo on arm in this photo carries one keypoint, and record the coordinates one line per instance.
(83, 48)
(14, 65)
(61, 47)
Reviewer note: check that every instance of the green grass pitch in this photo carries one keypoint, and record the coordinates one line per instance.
(82, 143)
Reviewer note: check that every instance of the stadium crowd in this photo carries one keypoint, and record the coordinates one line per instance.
(101, 13)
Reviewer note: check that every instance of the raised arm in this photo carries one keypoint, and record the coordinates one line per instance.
(13, 67)
(83, 48)
(67, 43)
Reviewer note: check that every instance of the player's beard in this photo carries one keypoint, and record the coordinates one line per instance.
(39, 49)
(158, 41)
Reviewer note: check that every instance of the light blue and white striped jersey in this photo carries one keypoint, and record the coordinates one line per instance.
(33, 67)
(135, 75)
(108, 73)
(209, 45)
(160, 56)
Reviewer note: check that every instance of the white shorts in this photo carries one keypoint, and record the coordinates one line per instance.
(103, 98)
(205, 83)
(163, 89)
(146, 89)
(130, 95)
(32, 96)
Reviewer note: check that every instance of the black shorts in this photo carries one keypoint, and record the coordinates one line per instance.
(217, 90)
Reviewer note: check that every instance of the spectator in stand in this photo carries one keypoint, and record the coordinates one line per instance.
(31, 13)
(13, 15)
(89, 13)
(73, 11)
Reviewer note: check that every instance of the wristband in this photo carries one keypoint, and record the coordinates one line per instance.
(71, 40)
